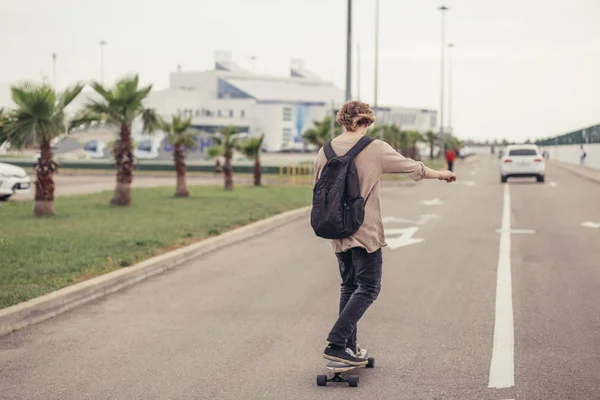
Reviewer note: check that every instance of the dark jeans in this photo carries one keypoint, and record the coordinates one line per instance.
(361, 283)
(450, 165)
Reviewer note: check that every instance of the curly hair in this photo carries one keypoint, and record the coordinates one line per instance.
(354, 114)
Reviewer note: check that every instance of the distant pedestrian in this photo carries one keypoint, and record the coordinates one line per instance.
(583, 156)
(450, 157)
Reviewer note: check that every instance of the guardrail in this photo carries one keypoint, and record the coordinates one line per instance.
(300, 173)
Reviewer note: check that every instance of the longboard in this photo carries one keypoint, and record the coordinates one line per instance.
(338, 368)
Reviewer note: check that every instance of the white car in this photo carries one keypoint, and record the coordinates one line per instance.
(522, 161)
(13, 180)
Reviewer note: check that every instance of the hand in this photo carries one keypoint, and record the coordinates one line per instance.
(447, 176)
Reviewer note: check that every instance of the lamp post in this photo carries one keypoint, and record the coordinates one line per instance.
(102, 44)
(349, 54)
(443, 10)
(450, 126)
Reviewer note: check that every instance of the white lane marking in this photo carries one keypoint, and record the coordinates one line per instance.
(434, 202)
(502, 366)
(405, 238)
(517, 231)
(590, 224)
(553, 184)
(466, 183)
(473, 172)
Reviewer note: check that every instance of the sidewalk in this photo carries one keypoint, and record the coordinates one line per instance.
(582, 171)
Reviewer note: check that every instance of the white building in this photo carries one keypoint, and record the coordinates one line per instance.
(280, 107)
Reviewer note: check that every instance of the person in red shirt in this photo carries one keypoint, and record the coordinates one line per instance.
(450, 157)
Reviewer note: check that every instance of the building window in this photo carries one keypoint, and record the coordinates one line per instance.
(230, 113)
(287, 114)
(432, 121)
(197, 113)
(242, 113)
(219, 113)
(287, 136)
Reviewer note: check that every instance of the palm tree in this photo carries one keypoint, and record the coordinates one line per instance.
(38, 118)
(216, 152)
(179, 135)
(120, 106)
(412, 138)
(3, 121)
(432, 139)
(252, 149)
(226, 142)
(320, 133)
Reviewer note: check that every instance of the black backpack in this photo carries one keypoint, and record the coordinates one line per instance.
(338, 208)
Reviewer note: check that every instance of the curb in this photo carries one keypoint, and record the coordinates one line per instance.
(52, 304)
(582, 173)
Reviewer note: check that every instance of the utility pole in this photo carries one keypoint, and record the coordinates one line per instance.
(332, 128)
(358, 71)
(349, 54)
(443, 10)
(450, 126)
(376, 52)
(102, 44)
(54, 70)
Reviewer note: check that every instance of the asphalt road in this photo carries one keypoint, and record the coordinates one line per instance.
(250, 321)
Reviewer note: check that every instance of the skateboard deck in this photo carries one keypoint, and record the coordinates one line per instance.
(338, 368)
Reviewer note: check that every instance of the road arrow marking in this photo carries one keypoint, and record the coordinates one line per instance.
(434, 202)
(427, 217)
(405, 238)
(423, 219)
(387, 220)
(590, 224)
(553, 184)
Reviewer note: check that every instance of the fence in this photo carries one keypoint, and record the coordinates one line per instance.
(582, 136)
(299, 174)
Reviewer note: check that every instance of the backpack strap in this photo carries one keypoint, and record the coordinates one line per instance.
(329, 153)
(359, 146)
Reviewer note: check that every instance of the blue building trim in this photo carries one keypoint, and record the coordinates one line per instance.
(294, 103)
(226, 90)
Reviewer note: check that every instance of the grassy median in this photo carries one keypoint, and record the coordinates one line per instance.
(88, 237)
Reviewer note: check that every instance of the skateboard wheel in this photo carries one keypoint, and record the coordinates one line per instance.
(321, 380)
(353, 380)
(371, 362)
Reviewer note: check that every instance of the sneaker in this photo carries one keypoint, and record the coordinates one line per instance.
(360, 353)
(345, 356)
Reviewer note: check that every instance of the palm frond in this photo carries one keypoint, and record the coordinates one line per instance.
(214, 152)
(252, 147)
(69, 94)
(107, 94)
(86, 118)
(151, 121)
(103, 109)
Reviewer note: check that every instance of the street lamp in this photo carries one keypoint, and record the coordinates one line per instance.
(443, 10)
(349, 54)
(102, 44)
(54, 70)
(376, 52)
(450, 126)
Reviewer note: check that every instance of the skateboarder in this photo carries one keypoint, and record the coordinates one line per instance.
(359, 256)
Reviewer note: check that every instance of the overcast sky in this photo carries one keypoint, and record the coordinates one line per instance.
(522, 68)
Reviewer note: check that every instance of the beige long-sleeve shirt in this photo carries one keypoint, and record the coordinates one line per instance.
(375, 160)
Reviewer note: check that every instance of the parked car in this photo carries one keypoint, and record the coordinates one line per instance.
(522, 161)
(13, 180)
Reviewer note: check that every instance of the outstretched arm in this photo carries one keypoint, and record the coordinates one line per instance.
(393, 162)
(447, 176)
